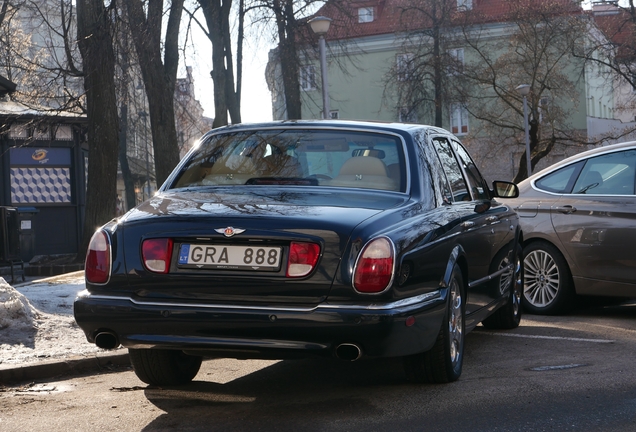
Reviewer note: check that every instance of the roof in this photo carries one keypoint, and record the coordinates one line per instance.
(344, 124)
(16, 109)
(588, 153)
(391, 16)
(618, 25)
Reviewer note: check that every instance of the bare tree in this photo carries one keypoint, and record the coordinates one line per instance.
(419, 77)
(540, 38)
(159, 76)
(226, 92)
(95, 34)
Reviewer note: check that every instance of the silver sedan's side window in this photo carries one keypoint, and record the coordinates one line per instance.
(559, 181)
(610, 174)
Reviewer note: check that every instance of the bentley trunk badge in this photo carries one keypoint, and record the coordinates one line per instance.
(229, 231)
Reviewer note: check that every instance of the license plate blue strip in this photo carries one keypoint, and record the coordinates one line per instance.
(184, 253)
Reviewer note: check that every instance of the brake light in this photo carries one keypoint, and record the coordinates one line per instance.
(97, 264)
(156, 254)
(302, 258)
(374, 270)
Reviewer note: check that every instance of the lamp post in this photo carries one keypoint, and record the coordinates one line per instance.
(524, 90)
(320, 26)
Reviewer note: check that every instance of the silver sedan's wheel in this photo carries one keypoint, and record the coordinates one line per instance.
(443, 362)
(548, 287)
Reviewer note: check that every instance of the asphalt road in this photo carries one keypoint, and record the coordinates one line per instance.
(571, 373)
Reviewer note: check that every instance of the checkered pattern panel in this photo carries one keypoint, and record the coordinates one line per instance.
(40, 185)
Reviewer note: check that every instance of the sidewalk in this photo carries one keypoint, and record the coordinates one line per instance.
(39, 338)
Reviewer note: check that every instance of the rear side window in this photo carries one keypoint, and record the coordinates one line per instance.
(561, 180)
(610, 174)
(477, 183)
(452, 170)
(332, 158)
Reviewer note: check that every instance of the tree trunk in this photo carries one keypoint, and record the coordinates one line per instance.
(536, 154)
(129, 184)
(286, 24)
(216, 14)
(159, 77)
(95, 43)
(437, 73)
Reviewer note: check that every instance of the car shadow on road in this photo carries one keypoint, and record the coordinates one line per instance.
(286, 390)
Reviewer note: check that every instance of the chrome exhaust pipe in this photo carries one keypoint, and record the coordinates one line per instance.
(348, 352)
(106, 340)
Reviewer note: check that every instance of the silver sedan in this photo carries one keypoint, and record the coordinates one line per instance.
(578, 219)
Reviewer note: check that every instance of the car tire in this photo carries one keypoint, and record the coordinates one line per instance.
(443, 362)
(162, 367)
(509, 315)
(548, 288)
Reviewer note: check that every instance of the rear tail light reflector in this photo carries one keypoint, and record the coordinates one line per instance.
(156, 254)
(98, 259)
(302, 258)
(374, 270)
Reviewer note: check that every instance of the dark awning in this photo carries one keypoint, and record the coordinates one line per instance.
(6, 86)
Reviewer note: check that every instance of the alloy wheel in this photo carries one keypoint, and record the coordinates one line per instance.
(542, 278)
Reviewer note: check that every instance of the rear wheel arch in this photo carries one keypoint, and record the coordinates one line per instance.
(457, 257)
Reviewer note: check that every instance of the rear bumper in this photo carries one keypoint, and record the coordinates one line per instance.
(380, 330)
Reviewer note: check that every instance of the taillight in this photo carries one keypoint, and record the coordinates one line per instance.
(156, 254)
(97, 265)
(374, 270)
(302, 258)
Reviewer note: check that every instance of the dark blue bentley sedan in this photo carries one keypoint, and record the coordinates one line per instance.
(309, 238)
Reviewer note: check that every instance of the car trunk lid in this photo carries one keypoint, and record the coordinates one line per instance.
(212, 232)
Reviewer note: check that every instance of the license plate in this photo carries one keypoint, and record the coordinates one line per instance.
(229, 257)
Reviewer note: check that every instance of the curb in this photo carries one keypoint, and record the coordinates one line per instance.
(71, 365)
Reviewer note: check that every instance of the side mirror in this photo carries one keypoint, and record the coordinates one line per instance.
(503, 189)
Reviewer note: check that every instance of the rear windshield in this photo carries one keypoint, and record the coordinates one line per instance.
(297, 158)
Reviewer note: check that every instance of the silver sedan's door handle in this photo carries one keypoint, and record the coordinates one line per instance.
(467, 225)
(491, 219)
(566, 209)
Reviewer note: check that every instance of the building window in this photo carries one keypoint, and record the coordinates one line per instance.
(334, 115)
(407, 115)
(18, 131)
(456, 65)
(464, 5)
(365, 14)
(64, 132)
(459, 119)
(404, 66)
(308, 78)
(41, 132)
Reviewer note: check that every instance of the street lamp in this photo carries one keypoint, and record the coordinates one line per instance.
(320, 26)
(524, 90)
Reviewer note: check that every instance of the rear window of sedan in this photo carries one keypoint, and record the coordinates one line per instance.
(331, 158)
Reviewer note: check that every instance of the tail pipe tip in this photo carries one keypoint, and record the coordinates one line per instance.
(348, 351)
(106, 340)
